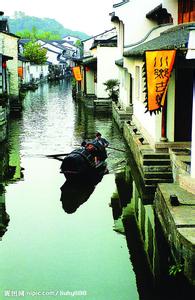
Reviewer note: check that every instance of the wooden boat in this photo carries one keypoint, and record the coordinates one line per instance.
(81, 165)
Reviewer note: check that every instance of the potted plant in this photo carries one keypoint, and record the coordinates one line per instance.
(112, 87)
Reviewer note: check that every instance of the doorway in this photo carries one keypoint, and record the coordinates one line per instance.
(183, 104)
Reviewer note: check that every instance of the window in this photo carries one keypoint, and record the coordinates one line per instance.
(186, 11)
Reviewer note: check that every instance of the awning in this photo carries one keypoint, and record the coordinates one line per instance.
(174, 38)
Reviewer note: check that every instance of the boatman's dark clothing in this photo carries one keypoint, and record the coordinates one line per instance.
(101, 144)
(102, 141)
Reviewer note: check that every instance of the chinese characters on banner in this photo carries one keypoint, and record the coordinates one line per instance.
(77, 73)
(159, 65)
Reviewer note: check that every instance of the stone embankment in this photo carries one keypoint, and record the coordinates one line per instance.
(164, 172)
(175, 208)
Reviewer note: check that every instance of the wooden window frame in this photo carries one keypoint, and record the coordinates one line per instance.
(186, 11)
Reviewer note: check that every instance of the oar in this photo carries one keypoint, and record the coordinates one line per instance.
(57, 155)
(113, 148)
(58, 158)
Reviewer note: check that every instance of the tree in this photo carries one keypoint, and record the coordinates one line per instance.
(112, 87)
(42, 35)
(34, 53)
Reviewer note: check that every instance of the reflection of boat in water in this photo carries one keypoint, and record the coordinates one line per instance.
(86, 164)
(74, 194)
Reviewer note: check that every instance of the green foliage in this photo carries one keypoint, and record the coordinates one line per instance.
(112, 87)
(175, 269)
(24, 24)
(34, 53)
(38, 34)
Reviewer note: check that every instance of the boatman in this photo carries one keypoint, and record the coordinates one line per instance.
(102, 143)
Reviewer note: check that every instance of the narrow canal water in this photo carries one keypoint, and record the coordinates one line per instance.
(45, 251)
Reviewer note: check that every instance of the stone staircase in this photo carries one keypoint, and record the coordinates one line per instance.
(156, 168)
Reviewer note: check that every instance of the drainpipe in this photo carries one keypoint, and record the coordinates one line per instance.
(164, 123)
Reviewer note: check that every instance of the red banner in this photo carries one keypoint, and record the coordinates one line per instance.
(159, 65)
(77, 73)
(20, 72)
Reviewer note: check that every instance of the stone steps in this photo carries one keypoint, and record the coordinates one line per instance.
(159, 175)
(156, 168)
(103, 105)
(162, 168)
(155, 156)
(155, 181)
(156, 162)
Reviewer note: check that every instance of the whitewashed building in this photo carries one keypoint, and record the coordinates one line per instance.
(98, 63)
(8, 73)
(158, 25)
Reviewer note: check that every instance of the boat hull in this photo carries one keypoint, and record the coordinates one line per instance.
(91, 175)
(79, 166)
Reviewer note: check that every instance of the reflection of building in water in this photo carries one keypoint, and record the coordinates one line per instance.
(84, 123)
(4, 217)
(130, 205)
(10, 169)
(14, 169)
(149, 251)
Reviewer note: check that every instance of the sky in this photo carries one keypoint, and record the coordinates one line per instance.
(89, 16)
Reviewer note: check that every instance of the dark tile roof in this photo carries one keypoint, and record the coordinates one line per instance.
(24, 41)
(173, 38)
(4, 25)
(22, 58)
(119, 62)
(6, 57)
(99, 35)
(120, 3)
(89, 60)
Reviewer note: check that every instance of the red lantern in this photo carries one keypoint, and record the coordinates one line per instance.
(87, 69)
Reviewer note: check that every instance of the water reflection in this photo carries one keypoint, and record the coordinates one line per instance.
(74, 194)
(95, 256)
(4, 217)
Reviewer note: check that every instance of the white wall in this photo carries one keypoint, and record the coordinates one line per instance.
(136, 29)
(52, 57)
(87, 45)
(171, 108)
(26, 72)
(37, 70)
(133, 15)
(10, 48)
(106, 68)
(124, 89)
(148, 124)
(172, 7)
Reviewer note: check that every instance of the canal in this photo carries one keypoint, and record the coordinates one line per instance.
(59, 240)
(45, 251)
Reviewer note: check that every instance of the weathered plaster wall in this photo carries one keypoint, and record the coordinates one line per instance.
(10, 48)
